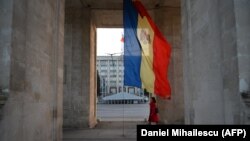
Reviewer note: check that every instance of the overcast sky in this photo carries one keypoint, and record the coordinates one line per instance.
(109, 41)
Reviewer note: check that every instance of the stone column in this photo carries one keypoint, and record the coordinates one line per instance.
(211, 84)
(168, 19)
(93, 77)
(242, 11)
(33, 51)
(79, 85)
(5, 41)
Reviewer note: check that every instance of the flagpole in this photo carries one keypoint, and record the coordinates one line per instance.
(122, 41)
(123, 116)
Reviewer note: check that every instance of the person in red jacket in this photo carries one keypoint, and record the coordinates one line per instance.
(153, 112)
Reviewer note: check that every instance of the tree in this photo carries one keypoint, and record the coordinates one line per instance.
(98, 85)
(146, 93)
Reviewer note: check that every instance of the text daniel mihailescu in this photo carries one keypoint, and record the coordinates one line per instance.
(178, 132)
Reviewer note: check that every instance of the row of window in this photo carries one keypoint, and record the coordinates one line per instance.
(110, 63)
(114, 68)
(111, 71)
(113, 83)
(111, 75)
(110, 67)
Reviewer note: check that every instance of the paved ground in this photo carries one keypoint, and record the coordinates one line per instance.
(120, 112)
(117, 123)
(105, 131)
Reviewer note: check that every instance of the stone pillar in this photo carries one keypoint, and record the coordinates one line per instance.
(93, 77)
(169, 22)
(211, 84)
(5, 41)
(242, 11)
(33, 49)
(79, 83)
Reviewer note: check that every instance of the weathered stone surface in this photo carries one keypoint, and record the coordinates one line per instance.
(212, 43)
(79, 87)
(5, 41)
(168, 20)
(243, 43)
(34, 107)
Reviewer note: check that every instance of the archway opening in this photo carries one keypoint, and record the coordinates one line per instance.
(116, 102)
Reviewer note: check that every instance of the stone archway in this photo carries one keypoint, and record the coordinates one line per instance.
(81, 20)
(216, 64)
(31, 40)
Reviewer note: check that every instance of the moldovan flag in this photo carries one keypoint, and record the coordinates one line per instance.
(146, 51)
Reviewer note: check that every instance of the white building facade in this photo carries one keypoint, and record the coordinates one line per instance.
(111, 72)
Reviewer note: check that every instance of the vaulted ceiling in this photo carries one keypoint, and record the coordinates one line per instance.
(117, 4)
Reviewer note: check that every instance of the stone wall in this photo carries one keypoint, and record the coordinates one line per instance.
(107, 18)
(168, 20)
(242, 17)
(35, 38)
(79, 88)
(212, 41)
(5, 41)
(93, 79)
(242, 20)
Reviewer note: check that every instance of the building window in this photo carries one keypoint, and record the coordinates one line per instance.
(113, 71)
(103, 65)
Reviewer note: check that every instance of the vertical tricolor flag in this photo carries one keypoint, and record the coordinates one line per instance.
(146, 52)
(122, 39)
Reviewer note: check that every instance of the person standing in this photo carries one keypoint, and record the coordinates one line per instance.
(153, 112)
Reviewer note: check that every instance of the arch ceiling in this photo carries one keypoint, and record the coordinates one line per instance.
(117, 4)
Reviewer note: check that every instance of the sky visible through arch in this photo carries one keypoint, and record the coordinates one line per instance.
(109, 41)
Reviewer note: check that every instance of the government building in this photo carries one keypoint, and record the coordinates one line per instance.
(111, 71)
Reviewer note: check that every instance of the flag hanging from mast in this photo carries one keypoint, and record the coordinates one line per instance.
(122, 39)
(146, 51)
